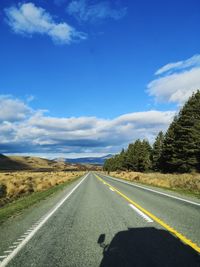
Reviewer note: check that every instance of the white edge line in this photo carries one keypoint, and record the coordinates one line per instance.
(144, 216)
(152, 190)
(48, 215)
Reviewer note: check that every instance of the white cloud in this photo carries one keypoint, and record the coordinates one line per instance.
(152, 117)
(179, 81)
(13, 109)
(36, 132)
(28, 19)
(174, 66)
(85, 10)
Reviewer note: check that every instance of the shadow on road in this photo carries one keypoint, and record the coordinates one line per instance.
(146, 247)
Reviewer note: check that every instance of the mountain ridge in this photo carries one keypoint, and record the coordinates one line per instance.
(85, 160)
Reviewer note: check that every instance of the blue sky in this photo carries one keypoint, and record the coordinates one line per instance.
(88, 77)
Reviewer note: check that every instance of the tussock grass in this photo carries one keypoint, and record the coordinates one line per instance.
(26, 201)
(17, 184)
(188, 183)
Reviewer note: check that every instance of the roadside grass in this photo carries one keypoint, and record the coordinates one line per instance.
(15, 207)
(188, 184)
(14, 185)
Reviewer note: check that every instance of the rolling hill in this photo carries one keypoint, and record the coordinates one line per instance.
(16, 163)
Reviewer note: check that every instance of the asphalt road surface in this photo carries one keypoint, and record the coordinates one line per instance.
(99, 221)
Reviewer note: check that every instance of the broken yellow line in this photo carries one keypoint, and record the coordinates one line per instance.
(155, 218)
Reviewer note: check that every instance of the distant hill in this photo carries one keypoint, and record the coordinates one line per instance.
(87, 160)
(14, 163)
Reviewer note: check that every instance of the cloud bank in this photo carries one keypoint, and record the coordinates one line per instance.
(23, 129)
(28, 19)
(177, 81)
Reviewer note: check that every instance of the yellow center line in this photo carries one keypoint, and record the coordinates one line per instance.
(155, 218)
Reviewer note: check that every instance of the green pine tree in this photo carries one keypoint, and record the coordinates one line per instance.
(182, 141)
(144, 156)
(157, 151)
(129, 157)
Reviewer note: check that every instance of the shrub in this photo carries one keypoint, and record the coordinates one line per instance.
(3, 190)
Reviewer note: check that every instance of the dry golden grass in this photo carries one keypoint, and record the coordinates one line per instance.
(187, 182)
(21, 183)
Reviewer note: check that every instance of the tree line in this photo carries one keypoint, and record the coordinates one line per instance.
(178, 150)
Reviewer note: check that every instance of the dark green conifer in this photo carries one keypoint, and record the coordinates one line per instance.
(157, 151)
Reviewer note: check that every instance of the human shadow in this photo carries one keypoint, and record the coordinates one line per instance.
(146, 247)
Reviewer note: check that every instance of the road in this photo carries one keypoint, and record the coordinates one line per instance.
(98, 221)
